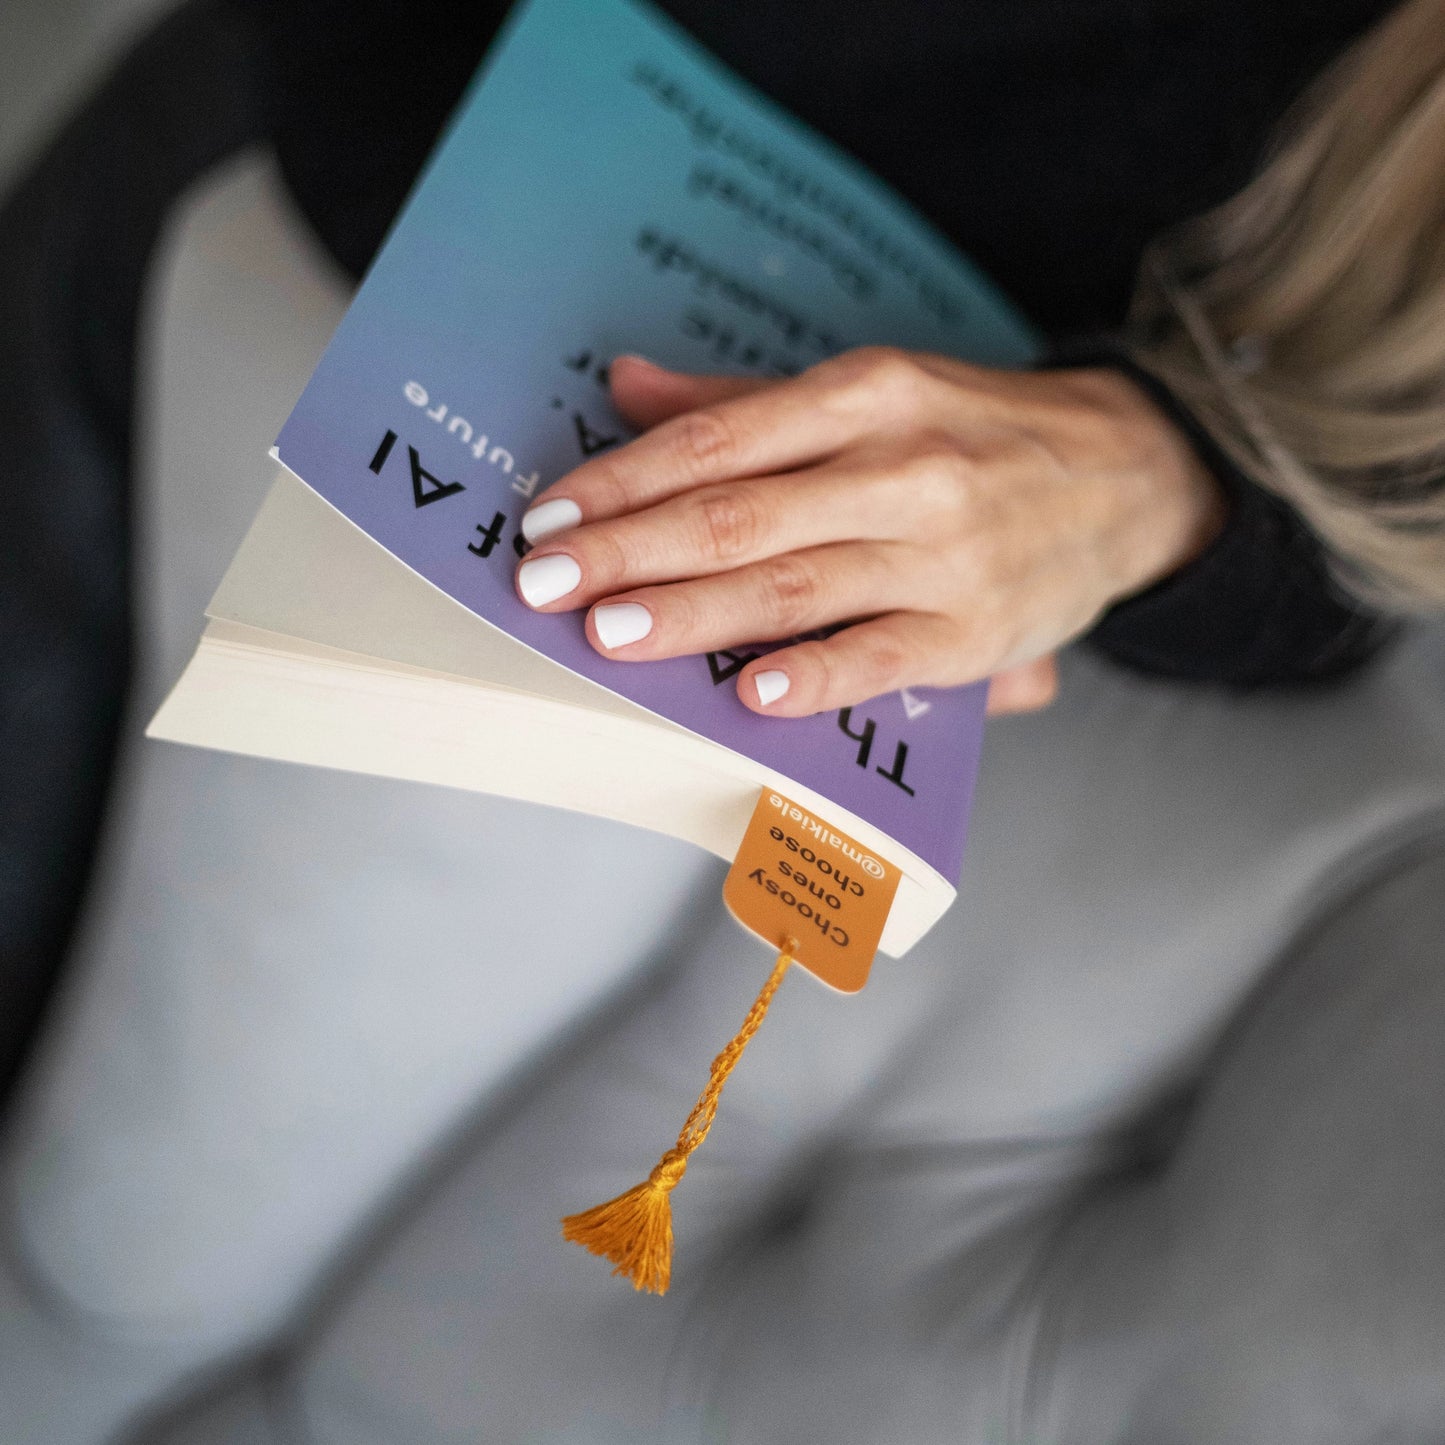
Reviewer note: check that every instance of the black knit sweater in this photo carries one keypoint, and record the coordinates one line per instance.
(1050, 139)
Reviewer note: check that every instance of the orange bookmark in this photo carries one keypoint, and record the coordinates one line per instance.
(821, 899)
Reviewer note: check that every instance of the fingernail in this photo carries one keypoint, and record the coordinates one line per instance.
(545, 579)
(548, 517)
(770, 685)
(619, 623)
(646, 361)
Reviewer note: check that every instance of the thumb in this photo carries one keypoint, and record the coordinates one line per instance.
(646, 393)
(1026, 688)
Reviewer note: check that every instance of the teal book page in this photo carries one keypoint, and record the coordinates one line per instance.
(605, 187)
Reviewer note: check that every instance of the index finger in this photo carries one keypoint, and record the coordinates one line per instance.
(780, 427)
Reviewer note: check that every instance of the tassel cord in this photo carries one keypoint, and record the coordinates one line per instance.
(634, 1230)
(700, 1121)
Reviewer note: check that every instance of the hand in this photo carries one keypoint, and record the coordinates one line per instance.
(963, 522)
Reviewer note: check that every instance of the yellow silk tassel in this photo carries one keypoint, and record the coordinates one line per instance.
(634, 1230)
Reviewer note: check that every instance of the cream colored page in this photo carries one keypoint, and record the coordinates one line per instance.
(304, 571)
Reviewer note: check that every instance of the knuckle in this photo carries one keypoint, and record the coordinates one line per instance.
(893, 376)
(731, 523)
(606, 483)
(881, 360)
(609, 555)
(976, 567)
(679, 617)
(878, 374)
(941, 477)
(973, 651)
(791, 591)
(822, 666)
(704, 441)
(885, 662)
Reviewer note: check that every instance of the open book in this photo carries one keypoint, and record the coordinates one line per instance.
(606, 186)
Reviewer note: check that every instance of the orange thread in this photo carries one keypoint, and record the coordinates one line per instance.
(634, 1230)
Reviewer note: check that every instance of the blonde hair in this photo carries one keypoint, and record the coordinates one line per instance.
(1303, 322)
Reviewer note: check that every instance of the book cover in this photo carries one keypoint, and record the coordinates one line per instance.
(607, 187)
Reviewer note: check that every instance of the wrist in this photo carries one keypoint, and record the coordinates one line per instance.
(1169, 505)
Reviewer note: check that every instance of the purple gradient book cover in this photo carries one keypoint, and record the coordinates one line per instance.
(607, 186)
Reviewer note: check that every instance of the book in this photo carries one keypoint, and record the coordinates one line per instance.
(605, 186)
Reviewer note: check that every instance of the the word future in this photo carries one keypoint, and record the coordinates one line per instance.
(481, 447)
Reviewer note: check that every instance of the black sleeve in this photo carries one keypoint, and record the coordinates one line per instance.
(360, 91)
(1259, 607)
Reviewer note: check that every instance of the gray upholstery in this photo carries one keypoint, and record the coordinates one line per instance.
(76, 236)
(339, 1052)
(1267, 1267)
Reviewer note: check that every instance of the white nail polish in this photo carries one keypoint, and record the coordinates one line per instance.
(545, 579)
(619, 623)
(548, 517)
(770, 685)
